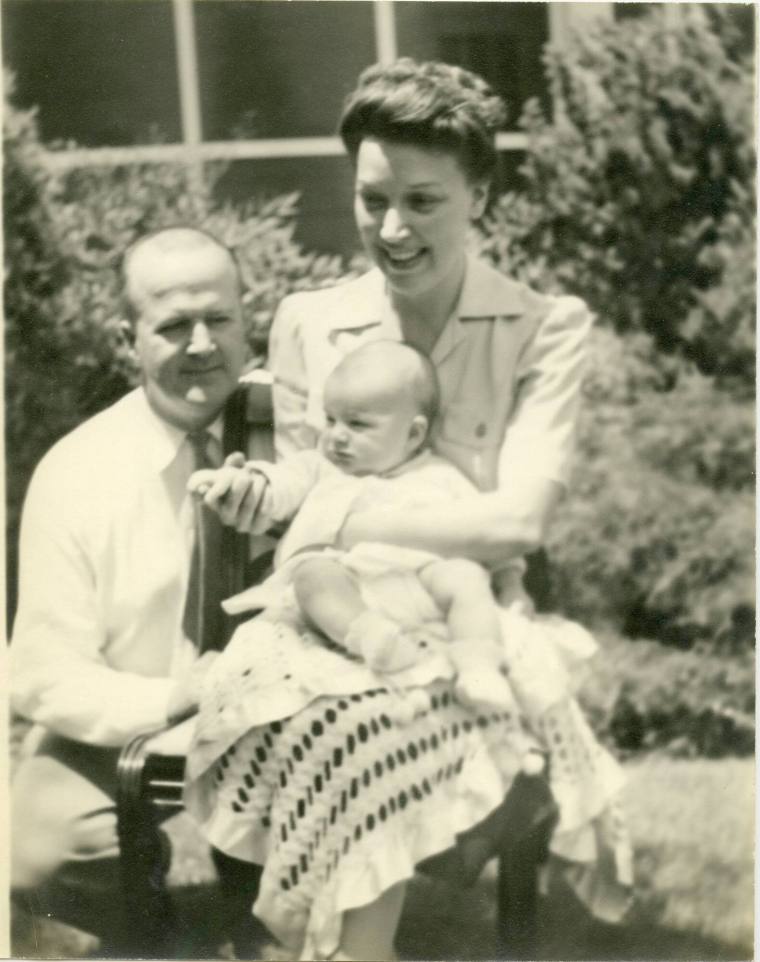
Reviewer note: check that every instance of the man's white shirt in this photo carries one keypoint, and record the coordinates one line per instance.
(106, 541)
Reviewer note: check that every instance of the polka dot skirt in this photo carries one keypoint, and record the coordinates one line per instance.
(341, 801)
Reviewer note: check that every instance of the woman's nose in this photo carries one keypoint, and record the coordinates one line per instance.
(394, 227)
(201, 341)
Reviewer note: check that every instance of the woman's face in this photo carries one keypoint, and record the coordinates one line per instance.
(413, 208)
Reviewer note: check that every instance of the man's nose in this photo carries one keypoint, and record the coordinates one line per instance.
(394, 227)
(201, 341)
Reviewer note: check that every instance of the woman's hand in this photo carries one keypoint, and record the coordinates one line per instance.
(233, 491)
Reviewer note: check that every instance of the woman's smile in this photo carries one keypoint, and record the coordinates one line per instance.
(403, 261)
(413, 208)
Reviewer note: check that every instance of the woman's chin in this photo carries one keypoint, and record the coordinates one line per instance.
(409, 282)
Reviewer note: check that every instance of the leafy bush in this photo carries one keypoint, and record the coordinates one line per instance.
(658, 532)
(644, 696)
(639, 197)
(623, 195)
(720, 328)
(65, 235)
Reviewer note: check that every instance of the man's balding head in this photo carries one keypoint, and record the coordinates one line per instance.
(186, 329)
(168, 243)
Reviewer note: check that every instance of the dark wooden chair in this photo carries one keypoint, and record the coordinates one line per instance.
(150, 784)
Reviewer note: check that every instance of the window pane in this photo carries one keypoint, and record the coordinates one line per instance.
(326, 221)
(102, 73)
(275, 69)
(500, 41)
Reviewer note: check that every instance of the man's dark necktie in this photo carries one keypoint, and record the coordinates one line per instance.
(204, 620)
(220, 565)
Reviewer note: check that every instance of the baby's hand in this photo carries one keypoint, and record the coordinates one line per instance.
(232, 491)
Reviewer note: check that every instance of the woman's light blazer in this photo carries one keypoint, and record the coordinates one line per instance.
(510, 363)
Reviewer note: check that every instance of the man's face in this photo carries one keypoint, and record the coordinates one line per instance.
(189, 339)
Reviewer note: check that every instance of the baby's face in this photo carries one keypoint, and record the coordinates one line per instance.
(369, 429)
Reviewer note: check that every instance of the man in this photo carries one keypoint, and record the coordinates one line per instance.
(101, 646)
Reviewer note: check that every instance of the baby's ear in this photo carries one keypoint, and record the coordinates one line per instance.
(418, 430)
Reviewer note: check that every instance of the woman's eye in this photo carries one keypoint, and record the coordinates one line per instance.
(357, 425)
(373, 202)
(215, 320)
(422, 203)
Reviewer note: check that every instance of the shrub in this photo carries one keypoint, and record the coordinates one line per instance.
(639, 197)
(658, 532)
(643, 696)
(624, 195)
(720, 328)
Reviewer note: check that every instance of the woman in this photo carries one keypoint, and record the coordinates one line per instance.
(338, 800)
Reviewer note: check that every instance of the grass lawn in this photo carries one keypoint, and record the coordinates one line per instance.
(692, 823)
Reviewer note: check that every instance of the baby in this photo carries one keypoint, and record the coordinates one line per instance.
(382, 603)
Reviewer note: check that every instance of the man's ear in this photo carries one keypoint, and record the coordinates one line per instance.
(479, 199)
(127, 333)
(418, 431)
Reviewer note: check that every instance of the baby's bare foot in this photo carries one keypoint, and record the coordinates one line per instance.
(381, 642)
(391, 651)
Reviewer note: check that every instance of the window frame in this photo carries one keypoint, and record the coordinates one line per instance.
(194, 151)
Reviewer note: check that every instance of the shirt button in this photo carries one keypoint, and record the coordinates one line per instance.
(480, 431)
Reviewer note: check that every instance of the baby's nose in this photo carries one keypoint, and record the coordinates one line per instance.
(339, 435)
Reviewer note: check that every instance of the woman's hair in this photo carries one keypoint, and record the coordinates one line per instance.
(430, 105)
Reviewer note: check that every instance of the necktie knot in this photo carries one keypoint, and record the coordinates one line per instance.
(202, 444)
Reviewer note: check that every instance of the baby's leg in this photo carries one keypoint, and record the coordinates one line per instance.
(329, 597)
(462, 590)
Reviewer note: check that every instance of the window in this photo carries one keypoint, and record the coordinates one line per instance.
(278, 69)
(101, 73)
(325, 220)
(261, 82)
(500, 41)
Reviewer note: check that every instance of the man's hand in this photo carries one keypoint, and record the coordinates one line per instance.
(185, 698)
(232, 491)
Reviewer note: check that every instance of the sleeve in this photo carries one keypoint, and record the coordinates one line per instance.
(59, 675)
(540, 435)
(290, 385)
(289, 481)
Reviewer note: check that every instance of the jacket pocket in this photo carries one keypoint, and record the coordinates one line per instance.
(470, 425)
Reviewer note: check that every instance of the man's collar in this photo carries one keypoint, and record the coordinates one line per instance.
(162, 440)
(485, 294)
